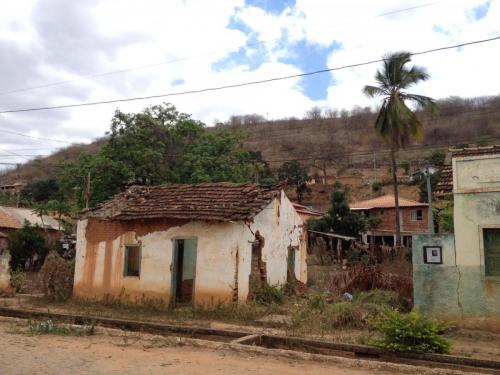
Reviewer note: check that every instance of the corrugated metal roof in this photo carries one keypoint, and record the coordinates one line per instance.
(13, 217)
(385, 201)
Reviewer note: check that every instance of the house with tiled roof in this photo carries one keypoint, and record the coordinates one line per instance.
(203, 244)
(13, 218)
(413, 219)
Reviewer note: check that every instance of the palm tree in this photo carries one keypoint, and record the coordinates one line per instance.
(396, 123)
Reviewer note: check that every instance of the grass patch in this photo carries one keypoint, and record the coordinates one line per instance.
(49, 327)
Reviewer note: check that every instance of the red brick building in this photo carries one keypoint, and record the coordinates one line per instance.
(413, 219)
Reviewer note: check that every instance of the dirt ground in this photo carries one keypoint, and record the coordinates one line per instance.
(117, 352)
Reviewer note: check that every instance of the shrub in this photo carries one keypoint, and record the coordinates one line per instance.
(377, 186)
(411, 333)
(436, 158)
(18, 280)
(269, 294)
(316, 302)
(445, 220)
(56, 277)
(24, 242)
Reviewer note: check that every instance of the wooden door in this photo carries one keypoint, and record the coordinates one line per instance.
(491, 238)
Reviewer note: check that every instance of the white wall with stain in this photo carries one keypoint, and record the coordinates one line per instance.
(223, 253)
(476, 194)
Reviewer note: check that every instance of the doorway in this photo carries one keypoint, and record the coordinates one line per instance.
(491, 240)
(183, 270)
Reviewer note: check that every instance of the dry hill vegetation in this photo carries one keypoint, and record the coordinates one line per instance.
(338, 143)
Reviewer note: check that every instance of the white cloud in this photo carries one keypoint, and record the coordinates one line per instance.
(53, 40)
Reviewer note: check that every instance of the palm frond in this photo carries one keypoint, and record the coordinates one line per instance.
(421, 100)
(372, 91)
(413, 76)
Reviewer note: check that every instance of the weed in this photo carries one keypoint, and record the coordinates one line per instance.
(18, 280)
(48, 327)
(269, 294)
(411, 333)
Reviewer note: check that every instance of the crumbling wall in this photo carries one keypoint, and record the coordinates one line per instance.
(4, 269)
(223, 258)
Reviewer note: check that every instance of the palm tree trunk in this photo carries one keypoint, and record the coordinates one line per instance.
(396, 199)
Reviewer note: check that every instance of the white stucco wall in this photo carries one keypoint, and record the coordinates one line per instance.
(223, 251)
(476, 194)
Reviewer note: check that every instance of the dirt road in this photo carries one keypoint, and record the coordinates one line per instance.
(117, 352)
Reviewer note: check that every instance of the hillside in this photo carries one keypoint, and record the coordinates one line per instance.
(341, 146)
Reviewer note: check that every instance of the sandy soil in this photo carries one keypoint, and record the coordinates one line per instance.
(117, 352)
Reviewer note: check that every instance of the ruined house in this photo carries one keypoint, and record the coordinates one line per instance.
(413, 219)
(201, 243)
(459, 274)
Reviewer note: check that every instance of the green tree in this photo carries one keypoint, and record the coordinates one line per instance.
(156, 146)
(41, 191)
(436, 158)
(340, 219)
(214, 157)
(396, 123)
(295, 174)
(25, 242)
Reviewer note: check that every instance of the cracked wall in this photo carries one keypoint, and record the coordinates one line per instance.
(459, 286)
(222, 262)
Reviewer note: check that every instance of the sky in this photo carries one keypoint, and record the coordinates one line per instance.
(58, 52)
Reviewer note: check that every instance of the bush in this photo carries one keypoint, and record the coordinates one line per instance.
(445, 220)
(18, 280)
(377, 186)
(56, 277)
(269, 294)
(411, 333)
(437, 158)
(24, 242)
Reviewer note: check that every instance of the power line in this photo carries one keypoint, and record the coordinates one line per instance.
(33, 137)
(181, 59)
(235, 85)
(13, 153)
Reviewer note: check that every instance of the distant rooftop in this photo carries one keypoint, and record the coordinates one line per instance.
(385, 201)
(13, 218)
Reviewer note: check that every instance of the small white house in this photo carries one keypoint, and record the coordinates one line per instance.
(201, 243)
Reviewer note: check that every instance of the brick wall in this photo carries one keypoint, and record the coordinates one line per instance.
(387, 215)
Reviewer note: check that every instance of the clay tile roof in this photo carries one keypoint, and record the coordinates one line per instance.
(221, 201)
(385, 201)
(304, 210)
(445, 184)
(475, 151)
(7, 221)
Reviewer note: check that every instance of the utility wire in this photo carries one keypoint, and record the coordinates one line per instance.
(269, 129)
(33, 137)
(13, 153)
(235, 85)
(359, 153)
(181, 59)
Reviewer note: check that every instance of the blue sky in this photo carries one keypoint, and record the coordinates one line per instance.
(224, 42)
